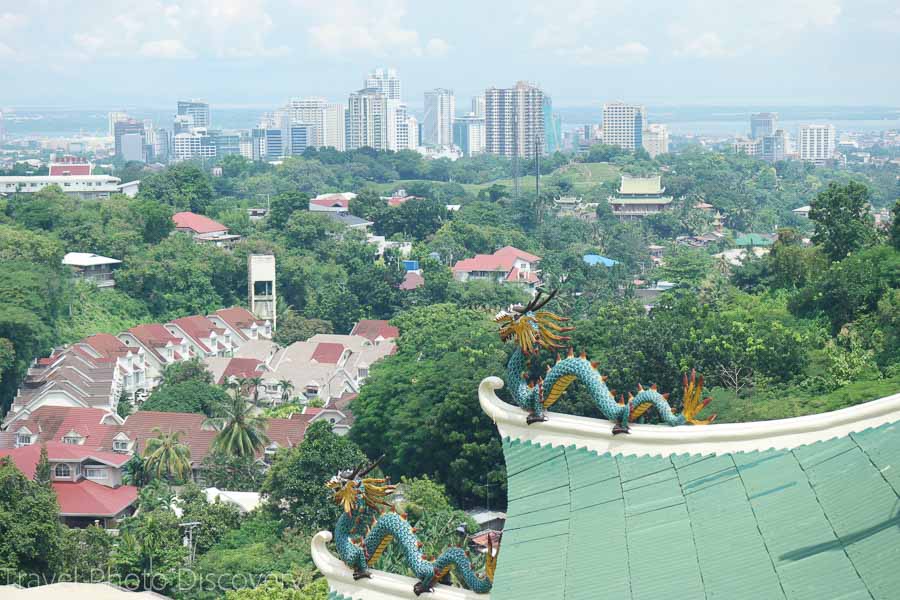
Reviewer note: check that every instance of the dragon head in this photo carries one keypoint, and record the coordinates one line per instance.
(693, 405)
(352, 489)
(532, 328)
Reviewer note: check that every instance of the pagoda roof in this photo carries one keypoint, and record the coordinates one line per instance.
(807, 507)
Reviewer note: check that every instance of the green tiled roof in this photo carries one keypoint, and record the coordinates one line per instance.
(819, 522)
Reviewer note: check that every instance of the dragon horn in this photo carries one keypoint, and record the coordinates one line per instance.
(540, 304)
(372, 466)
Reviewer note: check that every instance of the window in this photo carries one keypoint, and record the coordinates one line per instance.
(23, 439)
(72, 439)
(62, 470)
(120, 445)
(95, 473)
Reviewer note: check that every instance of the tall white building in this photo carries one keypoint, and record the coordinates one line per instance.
(816, 143)
(113, 118)
(386, 82)
(194, 145)
(478, 108)
(412, 132)
(197, 110)
(310, 111)
(514, 120)
(763, 124)
(468, 134)
(440, 111)
(623, 125)
(335, 122)
(398, 126)
(367, 123)
(656, 139)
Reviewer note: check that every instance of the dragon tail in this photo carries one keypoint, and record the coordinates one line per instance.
(456, 557)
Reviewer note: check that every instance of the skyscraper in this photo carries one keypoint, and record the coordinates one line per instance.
(552, 128)
(623, 125)
(468, 134)
(310, 111)
(478, 106)
(386, 82)
(816, 143)
(124, 128)
(112, 119)
(197, 110)
(514, 120)
(656, 139)
(367, 120)
(762, 124)
(773, 147)
(440, 111)
(335, 123)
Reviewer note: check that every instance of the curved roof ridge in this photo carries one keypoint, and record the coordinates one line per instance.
(381, 586)
(662, 440)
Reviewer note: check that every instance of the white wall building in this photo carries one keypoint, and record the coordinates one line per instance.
(623, 125)
(196, 144)
(335, 121)
(385, 81)
(656, 139)
(440, 112)
(514, 121)
(816, 143)
(85, 186)
(478, 106)
(310, 111)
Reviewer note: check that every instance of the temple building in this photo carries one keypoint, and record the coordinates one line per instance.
(638, 197)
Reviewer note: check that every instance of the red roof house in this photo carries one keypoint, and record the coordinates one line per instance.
(412, 281)
(506, 265)
(197, 224)
(328, 352)
(373, 329)
(203, 334)
(242, 323)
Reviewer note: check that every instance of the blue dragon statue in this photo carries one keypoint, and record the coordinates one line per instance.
(369, 523)
(531, 328)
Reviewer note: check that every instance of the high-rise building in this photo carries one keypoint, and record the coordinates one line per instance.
(468, 134)
(656, 139)
(478, 108)
(158, 144)
(303, 136)
(375, 121)
(414, 132)
(762, 124)
(816, 143)
(127, 127)
(132, 146)
(746, 146)
(112, 119)
(623, 125)
(310, 111)
(514, 120)
(335, 123)
(440, 111)
(773, 148)
(552, 128)
(193, 145)
(197, 110)
(386, 82)
(225, 142)
(398, 126)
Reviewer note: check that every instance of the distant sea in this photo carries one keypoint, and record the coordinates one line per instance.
(51, 122)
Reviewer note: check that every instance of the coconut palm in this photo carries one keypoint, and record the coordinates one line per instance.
(165, 457)
(255, 382)
(286, 388)
(241, 432)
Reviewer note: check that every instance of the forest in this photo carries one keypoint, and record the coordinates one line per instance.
(813, 325)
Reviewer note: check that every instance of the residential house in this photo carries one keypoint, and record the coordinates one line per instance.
(241, 323)
(399, 197)
(92, 268)
(350, 221)
(337, 202)
(160, 349)
(61, 424)
(506, 265)
(87, 482)
(375, 330)
(802, 211)
(638, 197)
(411, 281)
(204, 230)
(203, 336)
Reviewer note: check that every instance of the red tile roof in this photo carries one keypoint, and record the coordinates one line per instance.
(343, 404)
(501, 260)
(328, 352)
(26, 457)
(238, 318)
(241, 367)
(154, 335)
(198, 327)
(334, 201)
(196, 223)
(89, 499)
(51, 423)
(412, 281)
(374, 328)
(70, 169)
(108, 345)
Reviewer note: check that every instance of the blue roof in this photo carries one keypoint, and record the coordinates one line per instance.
(596, 259)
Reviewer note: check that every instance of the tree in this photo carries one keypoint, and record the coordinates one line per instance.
(215, 519)
(30, 531)
(895, 225)
(255, 383)
(286, 388)
(295, 483)
(187, 396)
(42, 470)
(166, 458)
(240, 431)
(294, 328)
(183, 186)
(282, 588)
(86, 554)
(283, 206)
(149, 551)
(233, 473)
(843, 223)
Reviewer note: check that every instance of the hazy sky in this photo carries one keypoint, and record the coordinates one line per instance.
(253, 52)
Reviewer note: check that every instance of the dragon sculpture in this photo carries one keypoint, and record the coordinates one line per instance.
(369, 523)
(531, 328)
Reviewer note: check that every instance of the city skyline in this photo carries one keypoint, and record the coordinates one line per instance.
(251, 52)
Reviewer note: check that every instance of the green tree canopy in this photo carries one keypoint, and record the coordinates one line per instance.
(843, 222)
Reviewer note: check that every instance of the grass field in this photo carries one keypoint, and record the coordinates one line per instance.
(582, 175)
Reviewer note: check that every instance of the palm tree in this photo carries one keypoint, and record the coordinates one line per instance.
(255, 382)
(286, 388)
(241, 432)
(165, 457)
